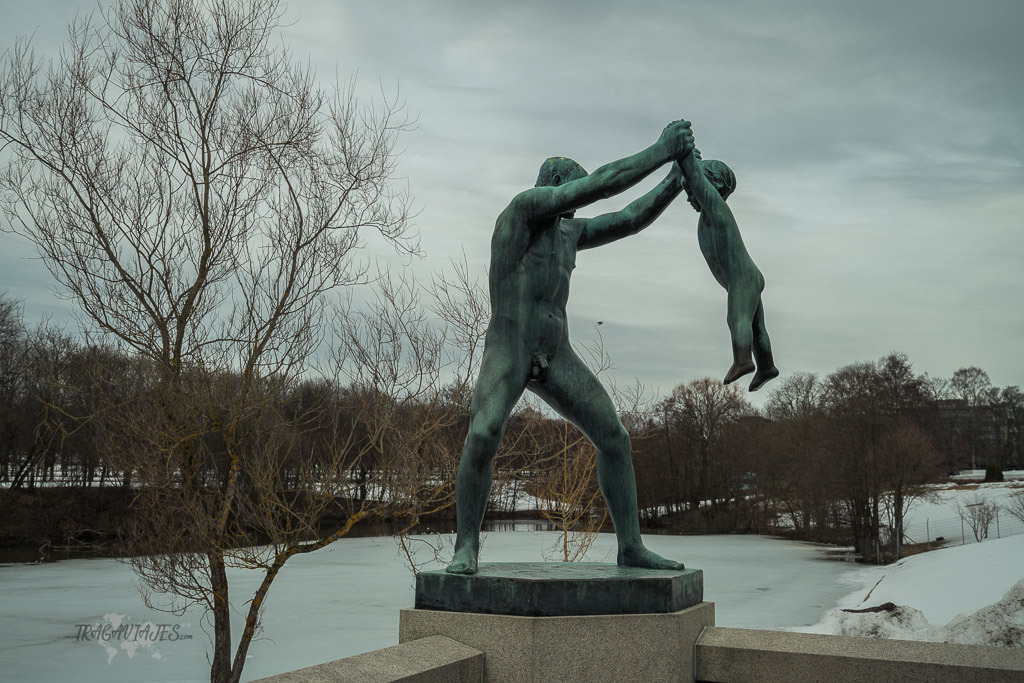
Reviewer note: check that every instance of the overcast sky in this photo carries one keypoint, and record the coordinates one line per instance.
(878, 148)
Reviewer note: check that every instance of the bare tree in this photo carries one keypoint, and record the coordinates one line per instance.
(973, 386)
(413, 375)
(869, 408)
(568, 487)
(16, 442)
(1011, 417)
(909, 461)
(1015, 505)
(199, 197)
(978, 512)
(35, 369)
(797, 396)
(701, 411)
(798, 473)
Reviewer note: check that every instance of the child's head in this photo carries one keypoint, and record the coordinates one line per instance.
(719, 175)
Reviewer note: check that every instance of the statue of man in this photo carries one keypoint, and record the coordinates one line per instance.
(533, 254)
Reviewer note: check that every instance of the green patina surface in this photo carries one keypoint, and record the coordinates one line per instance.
(549, 589)
(533, 253)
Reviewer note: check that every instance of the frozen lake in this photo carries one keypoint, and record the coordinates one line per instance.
(345, 599)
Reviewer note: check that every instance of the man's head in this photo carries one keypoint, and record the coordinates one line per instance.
(719, 175)
(559, 170)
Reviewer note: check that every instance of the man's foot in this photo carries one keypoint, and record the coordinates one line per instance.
(738, 370)
(762, 377)
(464, 561)
(642, 557)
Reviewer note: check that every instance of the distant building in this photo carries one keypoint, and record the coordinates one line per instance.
(982, 435)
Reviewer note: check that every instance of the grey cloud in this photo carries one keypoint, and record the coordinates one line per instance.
(878, 145)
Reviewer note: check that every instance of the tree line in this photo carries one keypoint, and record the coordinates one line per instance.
(837, 458)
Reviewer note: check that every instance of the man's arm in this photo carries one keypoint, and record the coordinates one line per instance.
(608, 180)
(609, 227)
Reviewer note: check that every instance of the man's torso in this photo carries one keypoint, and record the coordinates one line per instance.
(531, 266)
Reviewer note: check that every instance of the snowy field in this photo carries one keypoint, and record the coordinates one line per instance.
(931, 519)
(345, 599)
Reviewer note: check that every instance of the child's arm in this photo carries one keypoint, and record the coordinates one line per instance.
(702, 191)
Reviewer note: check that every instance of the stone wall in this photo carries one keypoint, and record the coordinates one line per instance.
(596, 649)
(732, 654)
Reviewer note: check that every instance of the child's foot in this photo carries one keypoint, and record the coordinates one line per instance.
(464, 561)
(738, 370)
(763, 376)
(640, 556)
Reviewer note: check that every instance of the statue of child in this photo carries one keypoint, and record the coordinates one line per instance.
(707, 185)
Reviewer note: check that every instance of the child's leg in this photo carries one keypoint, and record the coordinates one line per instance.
(742, 304)
(766, 369)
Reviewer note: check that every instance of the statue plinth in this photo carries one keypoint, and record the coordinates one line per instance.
(555, 589)
(566, 622)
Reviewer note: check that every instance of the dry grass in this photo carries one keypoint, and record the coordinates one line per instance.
(918, 548)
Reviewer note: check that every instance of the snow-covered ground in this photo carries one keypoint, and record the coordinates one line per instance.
(966, 592)
(979, 475)
(345, 599)
(970, 594)
(938, 517)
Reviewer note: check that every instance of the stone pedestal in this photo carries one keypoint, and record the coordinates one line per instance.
(557, 589)
(539, 639)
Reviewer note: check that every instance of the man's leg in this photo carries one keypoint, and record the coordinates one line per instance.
(502, 378)
(573, 390)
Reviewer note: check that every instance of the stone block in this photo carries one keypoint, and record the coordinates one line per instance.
(434, 659)
(551, 589)
(725, 655)
(607, 647)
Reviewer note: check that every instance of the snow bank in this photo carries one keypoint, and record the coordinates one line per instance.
(978, 475)
(999, 625)
(971, 594)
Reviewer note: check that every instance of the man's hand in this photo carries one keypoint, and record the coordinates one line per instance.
(677, 139)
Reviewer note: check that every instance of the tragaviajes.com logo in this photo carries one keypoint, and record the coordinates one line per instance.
(117, 634)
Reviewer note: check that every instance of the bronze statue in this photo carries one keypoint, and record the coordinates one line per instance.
(708, 184)
(533, 254)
